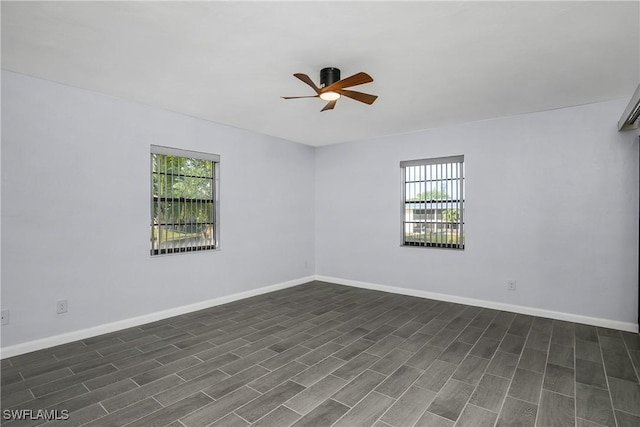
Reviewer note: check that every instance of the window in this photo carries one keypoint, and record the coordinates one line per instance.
(433, 202)
(184, 204)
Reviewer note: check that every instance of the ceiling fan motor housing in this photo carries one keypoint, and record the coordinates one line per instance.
(328, 76)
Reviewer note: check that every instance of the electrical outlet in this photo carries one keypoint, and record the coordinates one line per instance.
(511, 285)
(61, 306)
(4, 315)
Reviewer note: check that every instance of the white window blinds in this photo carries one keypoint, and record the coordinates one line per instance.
(433, 202)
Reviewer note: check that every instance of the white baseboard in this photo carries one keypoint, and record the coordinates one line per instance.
(576, 318)
(40, 344)
(68, 337)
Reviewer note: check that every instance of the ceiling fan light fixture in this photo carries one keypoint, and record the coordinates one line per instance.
(329, 96)
(333, 88)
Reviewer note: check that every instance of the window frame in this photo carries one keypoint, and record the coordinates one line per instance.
(215, 189)
(451, 202)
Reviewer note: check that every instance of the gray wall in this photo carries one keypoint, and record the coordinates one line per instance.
(75, 210)
(552, 202)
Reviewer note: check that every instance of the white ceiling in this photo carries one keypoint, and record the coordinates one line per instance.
(434, 63)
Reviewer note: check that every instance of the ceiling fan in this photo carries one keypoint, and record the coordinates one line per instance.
(332, 88)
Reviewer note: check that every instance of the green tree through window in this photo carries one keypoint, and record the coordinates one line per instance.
(183, 202)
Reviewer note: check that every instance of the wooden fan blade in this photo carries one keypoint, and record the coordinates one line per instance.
(298, 97)
(358, 96)
(356, 79)
(329, 106)
(308, 81)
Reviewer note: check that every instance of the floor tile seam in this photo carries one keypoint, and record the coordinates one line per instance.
(104, 409)
(107, 415)
(33, 396)
(278, 384)
(140, 417)
(168, 345)
(434, 414)
(557, 392)
(456, 337)
(633, 366)
(322, 378)
(406, 389)
(397, 399)
(105, 364)
(211, 397)
(484, 372)
(198, 378)
(371, 368)
(537, 405)
(49, 367)
(107, 385)
(587, 360)
(606, 378)
(267, 414)
(358, 402)
(544, 374)
(498, 350)
(213, 401)
(480, 407)
(419, 348)
(122, 370)
(57, 359)
(625, 412)
(428, 389)
(255, 364)
(193, 355)
(588, 340)
(220, 345)
(142, 385)
(181, 397)
(180, 332)
(132, 390)
(213, 359)
(593, 422)
(521, 400)
(341, 334)
(187, 379)
(291, 409)
(484, 330)
(127, 348)
(114, 336)
(312, 350)
(467, 400)
(249, 387)
(347, 384)
(10, 370)
(121, 351)
(363, 397)
(590, 385)
(506, 393)
(57, 391)
(253, 379)
(575, 406)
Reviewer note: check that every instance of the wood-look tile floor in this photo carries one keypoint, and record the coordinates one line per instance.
(321, 354)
